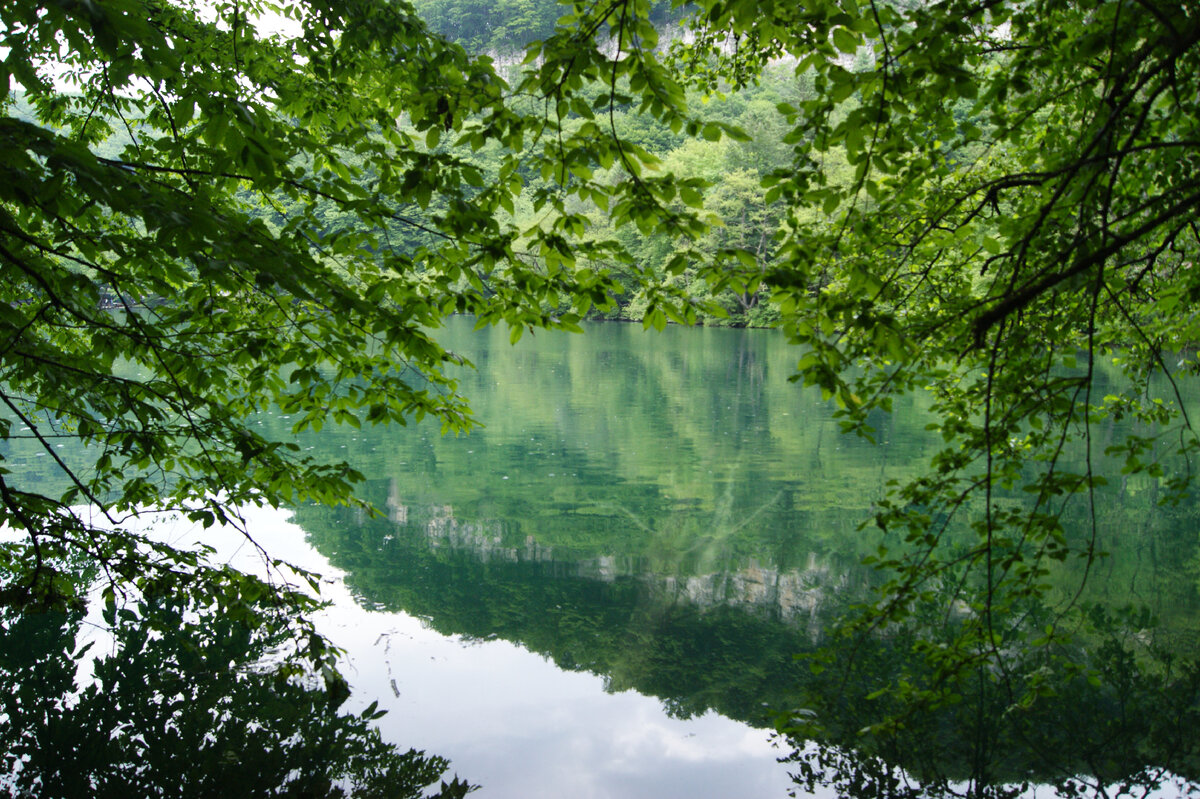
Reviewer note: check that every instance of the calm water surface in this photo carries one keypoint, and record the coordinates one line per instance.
(600, 591)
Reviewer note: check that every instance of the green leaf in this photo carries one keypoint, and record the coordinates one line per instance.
(845, 40)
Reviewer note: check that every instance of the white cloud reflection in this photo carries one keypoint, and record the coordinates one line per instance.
(509, 719)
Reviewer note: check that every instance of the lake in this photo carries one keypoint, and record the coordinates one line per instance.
(609, 578)
(600, 592)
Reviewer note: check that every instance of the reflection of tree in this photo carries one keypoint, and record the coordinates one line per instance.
(702, 422)
(1113, 706)
(195, 696)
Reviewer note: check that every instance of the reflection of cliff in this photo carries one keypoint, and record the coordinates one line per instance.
(668, 634)
(796, 595)
(722, 640)
(793, 594)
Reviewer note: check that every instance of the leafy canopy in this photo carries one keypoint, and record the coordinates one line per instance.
(198, 222)
(1026, 178)
(201, 222)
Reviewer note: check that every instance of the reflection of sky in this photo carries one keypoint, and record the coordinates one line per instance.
(508, 719)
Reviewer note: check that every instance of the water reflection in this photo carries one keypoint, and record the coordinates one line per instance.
(672, 515)
(602, 591)
(789, 595)
(193, 694)
(513, 720)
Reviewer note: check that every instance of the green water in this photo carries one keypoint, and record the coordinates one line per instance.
(600, 591)
(680, 453)
(685, 460)
(671, 513)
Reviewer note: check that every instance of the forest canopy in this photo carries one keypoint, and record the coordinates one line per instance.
(200, 220)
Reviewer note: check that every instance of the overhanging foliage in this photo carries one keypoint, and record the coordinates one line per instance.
(984, 199)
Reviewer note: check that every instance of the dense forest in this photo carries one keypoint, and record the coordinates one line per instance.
(504, 29)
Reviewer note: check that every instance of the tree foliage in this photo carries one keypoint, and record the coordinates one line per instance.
(216, 690)
(199, 221)
(1022, 206)
(983, 199)
(152, 306)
